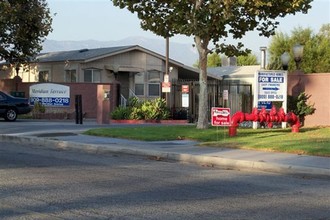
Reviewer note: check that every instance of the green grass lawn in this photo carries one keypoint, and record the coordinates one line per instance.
(309, 141)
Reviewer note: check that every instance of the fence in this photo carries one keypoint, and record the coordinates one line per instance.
(239, 97)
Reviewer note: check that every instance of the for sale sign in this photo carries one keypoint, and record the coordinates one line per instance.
(271, 85)
(220, 116)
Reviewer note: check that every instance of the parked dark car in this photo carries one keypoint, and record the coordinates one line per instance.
(11, 106)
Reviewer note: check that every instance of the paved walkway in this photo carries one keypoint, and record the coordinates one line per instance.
(187, 151)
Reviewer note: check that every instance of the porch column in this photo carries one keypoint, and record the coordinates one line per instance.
(103, 104)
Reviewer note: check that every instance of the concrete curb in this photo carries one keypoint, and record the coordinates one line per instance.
(225, 163)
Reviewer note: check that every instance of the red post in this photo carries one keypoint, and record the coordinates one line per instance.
(295, 128)
(232, 131)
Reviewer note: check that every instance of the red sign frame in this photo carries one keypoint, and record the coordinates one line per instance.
(220, 116)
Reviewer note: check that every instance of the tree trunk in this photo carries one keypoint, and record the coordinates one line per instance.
(203, 122)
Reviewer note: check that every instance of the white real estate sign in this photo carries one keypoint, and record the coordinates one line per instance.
(272, 85)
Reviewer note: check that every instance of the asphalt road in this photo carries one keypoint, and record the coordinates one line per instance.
(39, 183)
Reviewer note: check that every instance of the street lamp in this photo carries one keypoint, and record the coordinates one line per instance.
(297, 54)
(285, 58)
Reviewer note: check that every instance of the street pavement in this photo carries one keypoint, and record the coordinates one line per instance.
(66, 135)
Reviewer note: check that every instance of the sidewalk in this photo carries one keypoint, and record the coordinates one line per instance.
(185, 151)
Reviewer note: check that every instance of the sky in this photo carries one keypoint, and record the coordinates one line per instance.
(77, 20)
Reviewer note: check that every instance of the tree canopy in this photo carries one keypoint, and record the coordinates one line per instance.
(247, 60)
(210, 21)
(316, 56)
(23, 26)
(214, 60)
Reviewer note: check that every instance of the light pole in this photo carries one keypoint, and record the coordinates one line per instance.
(17, 78)
(285, 59)
(297, 54)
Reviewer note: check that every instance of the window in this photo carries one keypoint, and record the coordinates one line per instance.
(92, 75)
(153, 89)
(70, 76)
(44, 76)
(154, 83)
(139, 84)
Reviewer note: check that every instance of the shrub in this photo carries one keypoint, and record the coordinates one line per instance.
(161, 109)
(121, 113)
(147, 110)
(134, 102)
(300, 106)
(136, 113)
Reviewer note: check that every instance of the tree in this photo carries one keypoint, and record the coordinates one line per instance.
(209, 22)
(23, 26)
(325, 31)
(214, 60)
(247, 60)
(316, 57)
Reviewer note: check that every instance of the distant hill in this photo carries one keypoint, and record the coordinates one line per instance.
(184, 53)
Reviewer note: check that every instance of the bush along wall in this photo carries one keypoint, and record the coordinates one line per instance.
(142, 110)
(300, 106)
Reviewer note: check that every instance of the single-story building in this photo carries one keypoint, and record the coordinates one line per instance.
(237, 74)
(139, 71)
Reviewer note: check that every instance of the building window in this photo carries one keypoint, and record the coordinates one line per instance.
(154, 83)
(92, 75)
(154, 89)
(70, 76)
(44, 76)
(139, 84)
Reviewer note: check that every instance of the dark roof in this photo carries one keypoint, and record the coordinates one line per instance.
(79, 55)
(86, 55)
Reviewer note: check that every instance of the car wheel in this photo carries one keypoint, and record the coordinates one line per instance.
(11, 115)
